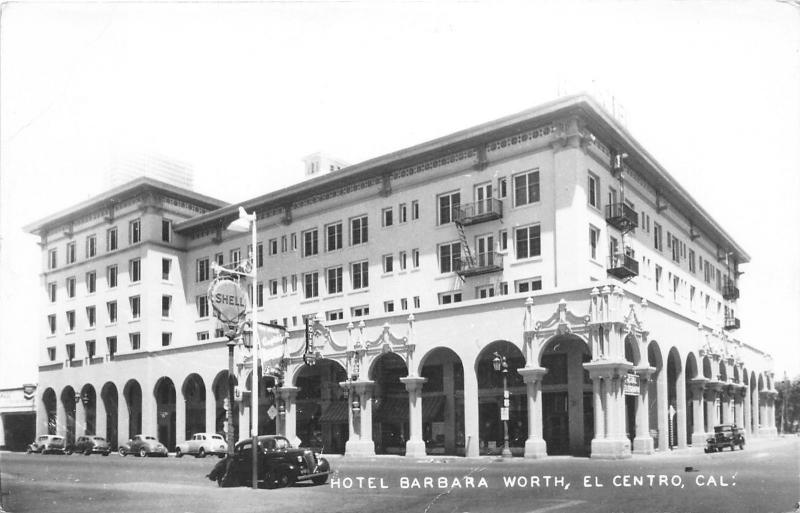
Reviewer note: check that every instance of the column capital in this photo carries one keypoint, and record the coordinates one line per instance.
(532, 374)
(363, 386)
(698, 384)
(607, 369)
(413, 383)
(288, 393)
(645, 372)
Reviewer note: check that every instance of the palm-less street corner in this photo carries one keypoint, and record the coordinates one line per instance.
(761, 479)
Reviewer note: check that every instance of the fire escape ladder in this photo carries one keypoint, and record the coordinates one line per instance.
(468, 260)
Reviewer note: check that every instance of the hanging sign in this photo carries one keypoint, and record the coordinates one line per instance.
(631, 386)
(504, 413)
(228, 300)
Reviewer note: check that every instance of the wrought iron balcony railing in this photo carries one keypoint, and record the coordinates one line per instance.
(731, 323)
(482, 263)
(730, 291)
(621, 217)
(479, 212)
(623, 266)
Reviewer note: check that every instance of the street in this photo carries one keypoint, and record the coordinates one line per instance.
(764, 478)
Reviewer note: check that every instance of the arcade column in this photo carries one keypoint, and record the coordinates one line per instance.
(535, 446)
(643, 442)
(362, 444)
(289, 394)
(415, 445)
(698, 413)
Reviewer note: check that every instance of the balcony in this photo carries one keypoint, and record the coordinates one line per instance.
(623, 266)
(483, 263)
(479, 212)
(730, 292)
(621, 217)
(731, 323)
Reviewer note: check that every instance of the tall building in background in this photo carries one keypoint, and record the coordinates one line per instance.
(546, 251)
(153, 165)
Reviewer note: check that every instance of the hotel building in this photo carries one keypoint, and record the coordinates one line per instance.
(548, 243)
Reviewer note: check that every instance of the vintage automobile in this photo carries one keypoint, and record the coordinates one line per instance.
(48, 444)
(279, 464)
(143, 445)
(725, 435)
(91, 444)
(202, 444)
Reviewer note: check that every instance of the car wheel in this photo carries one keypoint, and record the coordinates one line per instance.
(201, 453)
(106, 453)
(741, 445)
(320, 480)
(68, 452)
(143, 452)
(122, 452)
(178, 452)
(221, 455)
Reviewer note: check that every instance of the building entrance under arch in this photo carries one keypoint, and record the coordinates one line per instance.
(492, 400)
(443, 403)
(567, 401)
(321, 408)
(165, 412)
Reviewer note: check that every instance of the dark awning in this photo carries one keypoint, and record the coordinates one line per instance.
(335, 413)
(392, 409)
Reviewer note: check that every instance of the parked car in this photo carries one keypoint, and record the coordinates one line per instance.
(279, 464)
(48, 444)
(91, 444)
(143, 445)
(202, 444)
(725, 435)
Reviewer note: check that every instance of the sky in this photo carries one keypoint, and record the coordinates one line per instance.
(243, 91)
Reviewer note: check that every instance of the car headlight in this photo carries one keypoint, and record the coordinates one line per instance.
(299, 459)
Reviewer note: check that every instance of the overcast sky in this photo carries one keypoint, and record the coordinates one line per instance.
(242, 92)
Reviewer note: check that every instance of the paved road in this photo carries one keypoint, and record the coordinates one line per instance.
(763, 478)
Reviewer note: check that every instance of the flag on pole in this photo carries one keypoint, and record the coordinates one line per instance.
(272, 347)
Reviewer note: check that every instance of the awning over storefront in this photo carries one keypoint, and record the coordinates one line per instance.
(392, 409)
(335, 413)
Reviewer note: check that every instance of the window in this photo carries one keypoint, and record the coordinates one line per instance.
(111, 308)
(91, 246)
(445, 298)
(416, 302)
(658, 277)
(359, 273)
(675, 287)
(112, 241)
(219, 258)
(449, 257)
(448, 204)
(111, 276)
(202, 306)
(71, 320)
(294, 283)
(526, 188)
(166, 338)
(503, 240)
(219, 333)
(359, 311)
(403, 260)
(91, 316)
(484, 291)
(136, 306)
(202, 335)
(166, 306)
(260, 254)
(359, 233)
(388, 306)
(51, 323)
(135, 270)
(284, 244)
(51, 354)
(502, 187)
(692, 292)
(387, 216)
(528, 241)
(403, 303)
(273, 246)
(311, 284)
(52, 259)
(503, 288)
(334, 280)
(388, 263)
(334, 315)
(594, 191)
(166, 230)
(658, 242)
(111, 345)
(71, 287)
(594, 237)
(707, 272)
(294, 242)
(310, 243)
(260, 293)
(676, 249)
(166, 267)
(71, 253)
(51, 291)
(90, 348)
(70, 352)
(414, 210)
(415, 258)
(719, 280)
(135, 231)
(203, 268)
(402, 213)
(692, 266)
(91, 282)
(528, 285)
(236, 256)
(136, 341)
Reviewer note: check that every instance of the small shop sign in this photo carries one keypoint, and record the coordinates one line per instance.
(631, 386)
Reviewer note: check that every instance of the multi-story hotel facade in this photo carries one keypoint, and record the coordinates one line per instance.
(549, 244)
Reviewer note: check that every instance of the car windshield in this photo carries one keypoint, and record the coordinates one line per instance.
(282, 443)
(149, 438)
(57, 438)
(99, 438)
(217, 437)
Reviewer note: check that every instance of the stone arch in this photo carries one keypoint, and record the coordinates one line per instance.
(443, 421)
(656, 393)
(390, 404)
(674, 375)
(220, 388)
(544, 347)
(736, 374)
(68, 404)
(321, 407)
(691, 367)
(754, 413)
(689, 374)
(110, 398)
(132, 391)
(164, 393)
(51, 409)
(88, 399)
(723, 371)
(491, 399)
(632, 353)
(707, 373)
(194, 396)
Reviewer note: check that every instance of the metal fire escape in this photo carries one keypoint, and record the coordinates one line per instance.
(622, 264)
(489, 261)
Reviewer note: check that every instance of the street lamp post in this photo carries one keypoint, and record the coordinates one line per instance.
(229, 409)
(501, 365)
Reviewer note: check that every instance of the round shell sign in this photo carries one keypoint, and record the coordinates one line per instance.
(228, 300)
